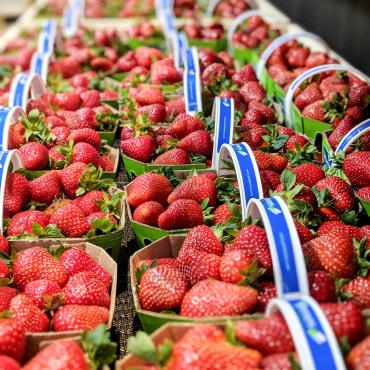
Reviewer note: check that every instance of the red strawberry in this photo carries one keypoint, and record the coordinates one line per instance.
(68, 100)
(253, 90)
(266, 292)
(356, 168)
(252, 117)
(173, 157)
(55, 156)
(71, 221)
(297, 56)
(83, 118)
(85, 153)
(17, 193)
(70, 178)
(198, 142)
(358, 291)
(332, 85)
(155, 112)
(356, 112)
(210, 298)
(340, 191)
(175, 107)
(16, 136)
(342, 128)
(322, 286)
(146, 56)
(149, 95)
(339, 228)
(222, 213)
(148, 213)
(364, 193)
(267, 112)
(244, 75)
(28, 315)
(12, 339)
(22, 222)
(4, 245)
(45, 188)
(35, 156)
(332, 253)
(281, 74)
(303, 231)
(279, 361)
(62, 354)
(42, 293)
(164, 71)
(6, 295)
(308, 174)
(61, 134)
(358, 94)
(105, 162)
(294, 141)
(184, 124)
(267, 161)
(328, 214)
(315, 111)
(197, 188)
(316, 58)
(101, 63)
(140, 148)
(268, 335)
(85, 288)
(213, 73)
(358, 357)
(308, 96)
(86, 135)
(90, 98)
(149, 186)
(8, 363)
(87, 202)
(162, 288)
(91, 218)
(181, 214)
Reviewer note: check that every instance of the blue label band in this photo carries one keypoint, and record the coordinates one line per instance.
(18, 97)
(4, 114)
(192, 83)
(70, 21)
(352, 135)
(50, 26)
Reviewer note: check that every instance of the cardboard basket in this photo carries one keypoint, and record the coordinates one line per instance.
(34, 340)
(108, 136)
(157, 42)
(168, 246)
(215, 45)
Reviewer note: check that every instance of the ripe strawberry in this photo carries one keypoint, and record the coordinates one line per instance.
(83, 118)
(340, 191)
(68, 100)
(106, 163)
(344, 126)
(267, 161)
(304, 233)
(332, 253)
(359, 356)
(281, 74)
(267, 112)
(78, 317)
(71, 221)
(4, 270)
(149, 95)
(316, 58)
(339, 228)
(308, 174)
(210, 298)
(98, 216)
(162, 288)
(22, 222)
(308, 96)
(90, 98)
(61, 134)
(85, 153)
(332, 85)
(328, 214)
(85, 288)
(213, 73)
(8, 363)
(297, 56)
(175, 107)
(253, 90)
(35, 156)
(203, 239)
(173, 157)
(356, 112)
(356, 168)
(86, 135)
(16, 137)
(294, 141)
(148, 212)
(17, 193)
(252, 117)
(181, 214)
(254, 240)
(140, 148)
(6, 295)
(358, 291)
(197, 188)
(222, 213)
(279, 361)
(4, 245)
(145, 56)
(364, 193)
(55, 156)
(164, 71)
(322, 286)
(346, 320)
(244, 75)
(268, 335)
(358, 94)
(101, 63)
(43, 293)
(45, 188)
(185, 124)
(197, 142)
(266, 292)
(155, 112)
(28, 315)
(88, 202)
(315, 111)
(149, 186)
(12, 339)
(70, 178)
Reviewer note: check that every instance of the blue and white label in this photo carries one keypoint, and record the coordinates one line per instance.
(192, 82)
(8, 116)
(46, 42)
(223, 115)
(70, 21)
(312, 335)
(40, 64)
(353, 135)
(179, 43)
(290, 274)
(18, 94)
(50, 26)
(246, 170)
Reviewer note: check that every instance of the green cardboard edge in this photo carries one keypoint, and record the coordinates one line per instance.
(108, 136)
(215, 45)
(134, 43)
(246, 56)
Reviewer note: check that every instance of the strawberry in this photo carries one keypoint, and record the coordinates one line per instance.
(162, 288)
(279, 361)
(140, 148)
(346, 320)
(17, 193)
(308, 96)
(6, 295)
(209, 298)
(88, 202)
(55, 156)
(267, 112)
(45, 188)
(16, 136)
(68, 100)
(105, 162)
(358, 291)
(22, 222)
(35, 156)
(266, 292)
(71, 221)
(181, 214)
(267, 161)
(295, 141)
(197, 142)
(213, 73)
(28, 315)
(85, 153)
(244, 75)
(155, 112)
(173, 157)
(175, 107)
(356, 168)
(78, 317)
(254, 240)
(332, 85)
(339, 190)
(253, 90)
(149, 95)
(316, 58)
(322, 286)
(185, 124)
(149, 186)
(85, 288)
(297, 56)
(101, 63)
(164, 71)
(281, 74)
(70, 178)
(308, 174)
(86, 135)
(304, 233)
(239, 102)
(328, 214)
(62, 354)
(252, 117)
(42, 293)
(4, 270)
(61, 134)
(145, 56)
(12, 339)
(344, 126)
(8, 363)
(332, 253)
(89, 98)
(358, 94)
(339, 228)
(356, 112)
(197, 188)
(268, 335)
(222, 214)
(315, 111)
(358, 357)
(364, 193)
(98, 216)
(148, 212)
(4, 245)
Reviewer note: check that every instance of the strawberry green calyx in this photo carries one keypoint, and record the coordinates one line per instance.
(362, 254)
(251, 274)
(111, 205)
(91, 179)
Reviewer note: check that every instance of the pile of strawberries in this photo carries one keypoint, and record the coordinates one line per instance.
(194, 30)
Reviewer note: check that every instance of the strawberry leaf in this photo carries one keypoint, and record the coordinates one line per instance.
(165, 351)
(142, 346)
(103, 226)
